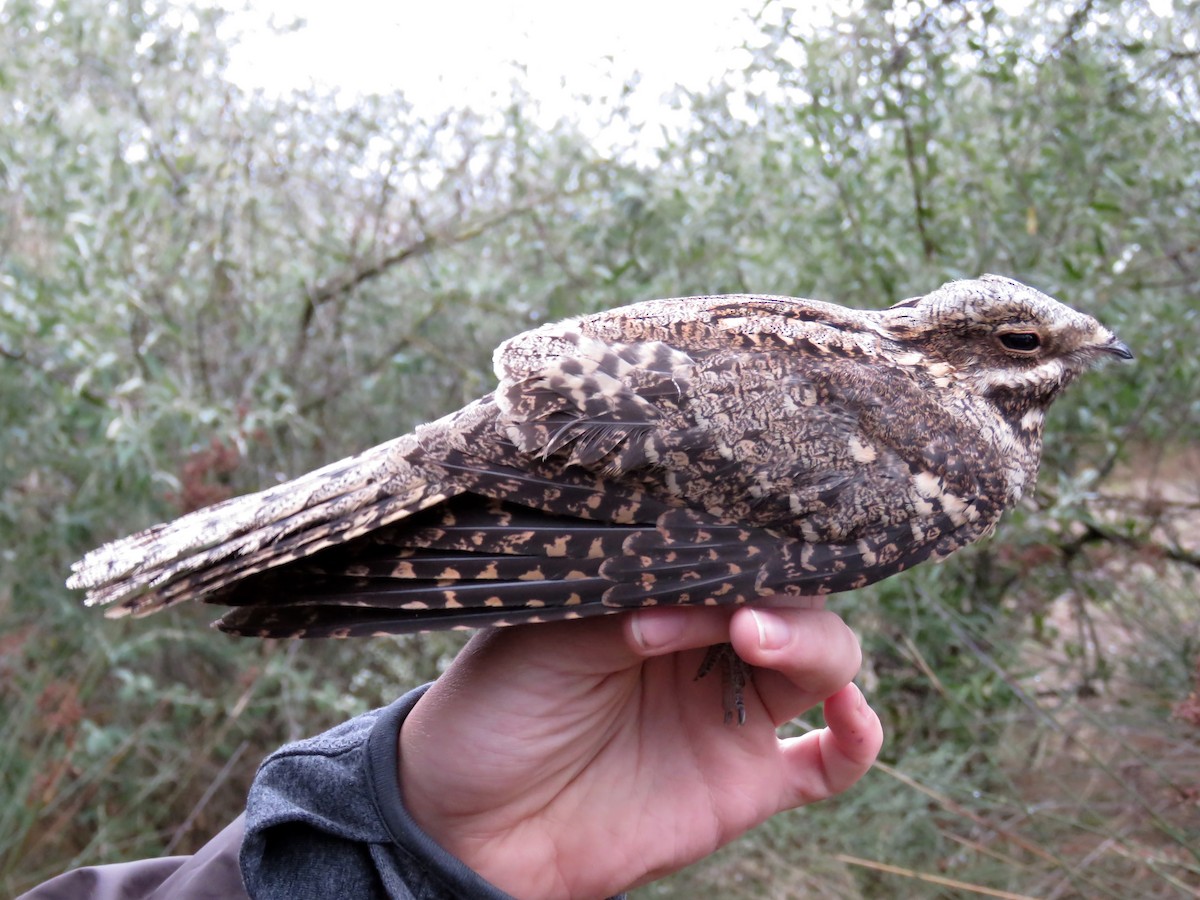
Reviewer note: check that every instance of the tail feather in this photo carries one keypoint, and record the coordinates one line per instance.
(211, 571)
(212, 548)
(217, 524)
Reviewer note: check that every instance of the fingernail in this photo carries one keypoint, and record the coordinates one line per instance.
(859, 699)
(773, 631)
(654, 631)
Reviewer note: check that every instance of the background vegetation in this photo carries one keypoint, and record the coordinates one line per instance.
(204, 290)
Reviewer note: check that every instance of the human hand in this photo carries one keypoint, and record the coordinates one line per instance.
(583, 758)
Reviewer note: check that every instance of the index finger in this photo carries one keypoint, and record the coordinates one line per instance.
(829, 760)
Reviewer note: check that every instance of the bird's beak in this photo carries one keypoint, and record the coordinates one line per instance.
(1117, 348)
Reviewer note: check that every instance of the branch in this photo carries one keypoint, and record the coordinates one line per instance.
(341, 285)
(159, 152)
(914, 174)
(1094, 534)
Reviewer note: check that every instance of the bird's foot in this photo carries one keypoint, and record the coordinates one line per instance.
(735, 674)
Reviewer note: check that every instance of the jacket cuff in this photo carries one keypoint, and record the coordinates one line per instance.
(383, 772)
(325, 818)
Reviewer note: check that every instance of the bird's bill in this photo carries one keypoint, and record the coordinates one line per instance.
(1117, 348)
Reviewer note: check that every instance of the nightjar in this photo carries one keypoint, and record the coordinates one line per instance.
(706, 450)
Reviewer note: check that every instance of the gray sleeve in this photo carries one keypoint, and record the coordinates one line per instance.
(209, 874)
(325, 818)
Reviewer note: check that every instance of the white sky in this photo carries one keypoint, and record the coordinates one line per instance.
(456, 53)
(462, 52)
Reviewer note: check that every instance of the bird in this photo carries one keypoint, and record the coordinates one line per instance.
(708, 450)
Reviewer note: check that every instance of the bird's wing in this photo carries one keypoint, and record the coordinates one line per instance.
(698, 388)
(466, 564)
(463, 565)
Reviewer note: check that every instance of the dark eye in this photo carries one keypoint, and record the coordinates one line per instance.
(1021, 341)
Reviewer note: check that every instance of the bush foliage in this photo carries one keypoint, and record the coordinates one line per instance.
(204, 290)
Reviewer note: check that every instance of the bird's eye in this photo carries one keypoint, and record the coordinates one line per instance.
(1021, 341)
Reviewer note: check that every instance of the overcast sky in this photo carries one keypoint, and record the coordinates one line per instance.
(455, 53)
(462, 52)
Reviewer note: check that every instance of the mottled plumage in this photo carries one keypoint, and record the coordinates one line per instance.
(707, 450)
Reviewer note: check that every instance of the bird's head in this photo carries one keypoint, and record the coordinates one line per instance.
(1010, 342)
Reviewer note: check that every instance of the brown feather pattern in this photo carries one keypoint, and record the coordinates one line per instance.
(705, 450)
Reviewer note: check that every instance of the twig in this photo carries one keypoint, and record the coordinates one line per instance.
(1094, 533)
(221, 777)
(931, 879)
